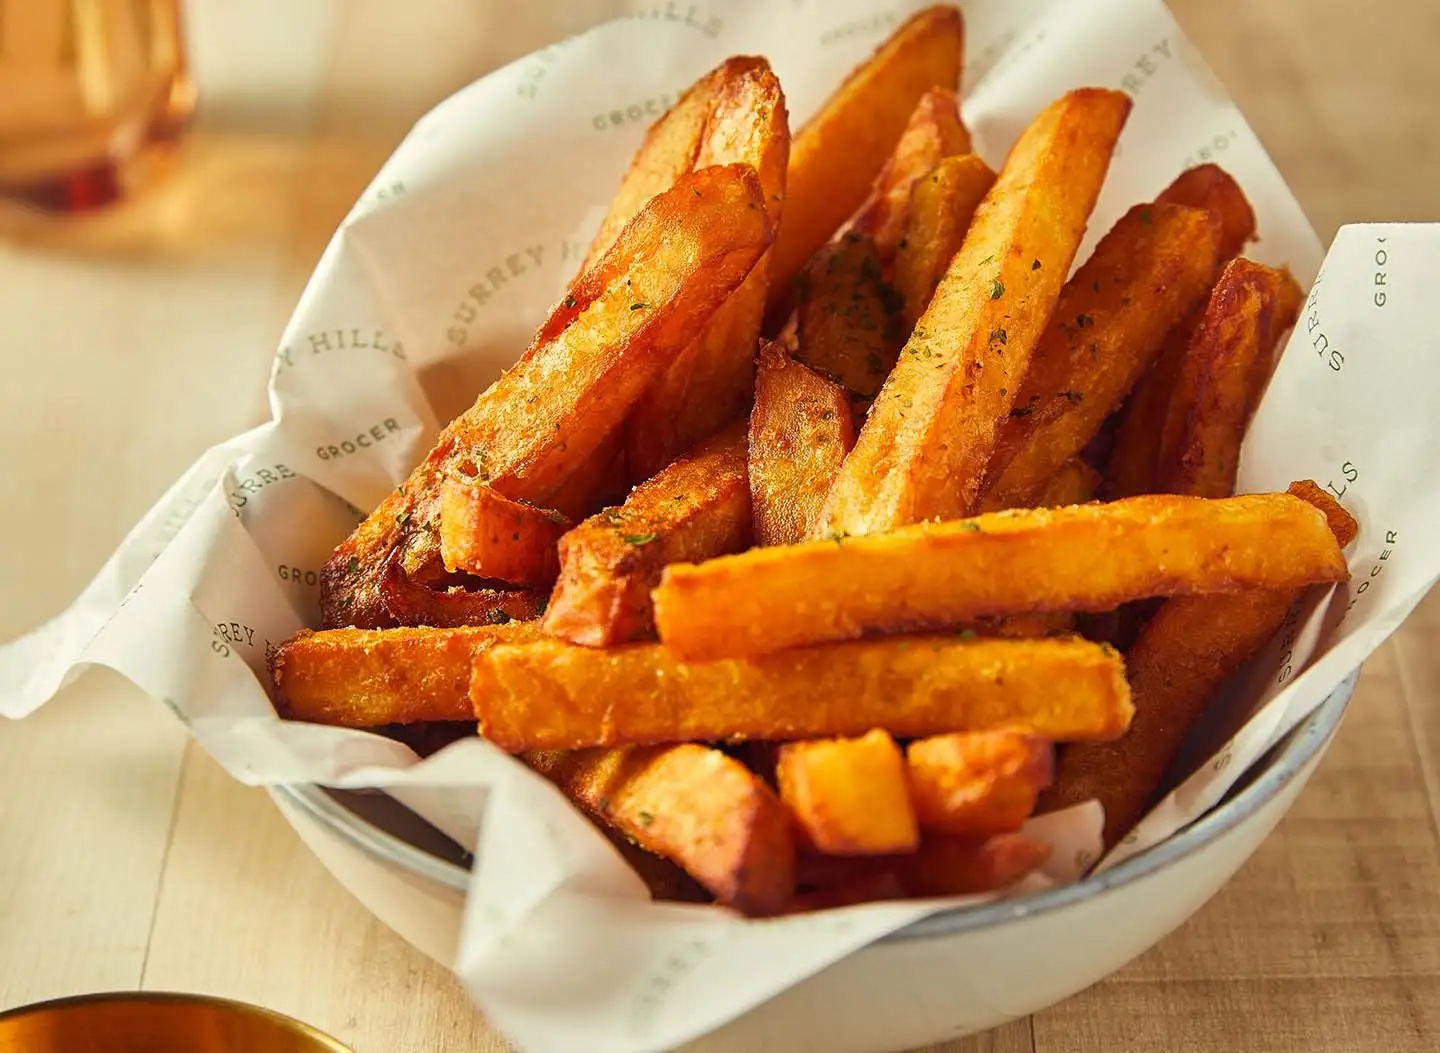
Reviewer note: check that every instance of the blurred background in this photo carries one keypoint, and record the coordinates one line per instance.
(141, 300)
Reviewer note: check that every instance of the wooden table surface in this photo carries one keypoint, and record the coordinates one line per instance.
(129, 860)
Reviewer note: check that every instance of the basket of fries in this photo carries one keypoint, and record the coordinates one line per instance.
(905, 573)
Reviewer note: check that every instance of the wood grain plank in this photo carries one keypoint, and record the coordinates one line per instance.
(1341, 97)
(1270, 1016)
(1418, 665)
(247, 912)
(89, 787)
(1014, 1037)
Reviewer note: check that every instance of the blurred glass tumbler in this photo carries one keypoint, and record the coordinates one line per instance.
(92, 94)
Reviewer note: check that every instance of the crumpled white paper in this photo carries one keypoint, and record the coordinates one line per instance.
(436, 281)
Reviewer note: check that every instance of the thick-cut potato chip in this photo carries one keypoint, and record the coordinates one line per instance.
(847, 323)
(546, 694)
(1080, 558)
(1224, 373)
(1144, 277)
(710, 383)
(365, 678)
(849, 796)
(979, 783)
(1131, 466)
(836, 156)
(800, 431)
(696, 508)
(526, 435)
(696, 807)
(933, 133)
(942, 205)
(925, 444)
(493, 537)
(1185, 651)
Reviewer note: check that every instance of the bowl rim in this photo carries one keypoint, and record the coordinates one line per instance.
(171, 999)
(1300, 746)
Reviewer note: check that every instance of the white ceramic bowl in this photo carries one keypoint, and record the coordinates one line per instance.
(950, 975)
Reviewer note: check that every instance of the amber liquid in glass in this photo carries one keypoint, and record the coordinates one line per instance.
(92, 92)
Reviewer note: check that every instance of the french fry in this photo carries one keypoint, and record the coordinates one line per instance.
(1131, 467)
(669, 150)
(696, 508)
(696, 807)
(934, 132)
(546, 694)
(491, 536)
(528, 432)
(922, 451)
(366, 678)
(849, 796)
(968, 866)
(1074, 483)
(1144, 277)
(836, 156)
(977, 784)
(941, 866)
(1184, 653)
(1223, 375)
(1210, 187)
(710, 382)
(444, 604)
(800, 431)
(942, 204)
(1080, 558)
(846, 317)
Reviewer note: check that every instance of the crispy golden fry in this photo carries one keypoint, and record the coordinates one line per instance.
(847, 326)
(601, 479)
(849, 796)
(697, 508)
(447, 605)
(1130, 471)
(546, 694)
(1210, 187)
(922, 451)
(967, 866)
(710, 383)
(696, 807)
(836, 156)
(493, 537)
(933, 133)
(529, 431)
(800, 431)
(664, 879)
(1074, 483)
(1189, 648)
(1144, 277)
(1081, 558)
(1131, 468)
(979, 783)
(1341, 523)
(365, 678)
(942, 204)
(1223, 376)
(670, 149)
